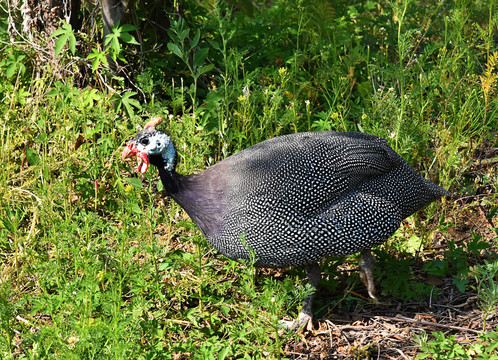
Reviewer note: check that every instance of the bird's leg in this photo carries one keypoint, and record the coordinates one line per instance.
(305, 315)
(366, 275)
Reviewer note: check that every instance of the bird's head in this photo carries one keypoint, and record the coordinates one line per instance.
(151, 146)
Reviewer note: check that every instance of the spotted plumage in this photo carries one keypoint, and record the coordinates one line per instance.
(294, 199)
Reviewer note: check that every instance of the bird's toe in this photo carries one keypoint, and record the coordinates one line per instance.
(303, 321)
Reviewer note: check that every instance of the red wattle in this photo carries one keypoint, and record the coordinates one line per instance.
(142, 159)
(143, 162)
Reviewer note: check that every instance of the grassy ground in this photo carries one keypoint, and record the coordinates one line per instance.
(97, 263)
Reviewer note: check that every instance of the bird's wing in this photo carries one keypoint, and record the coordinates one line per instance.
(307, 171)
(359, 154)
(359, 221)
(317, 154)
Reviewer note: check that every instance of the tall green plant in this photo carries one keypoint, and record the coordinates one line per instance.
(190, 52)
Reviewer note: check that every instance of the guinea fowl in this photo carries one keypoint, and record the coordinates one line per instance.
(294, 199)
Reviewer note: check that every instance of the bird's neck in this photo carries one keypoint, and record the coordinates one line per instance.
(171, 180)
(179, 187)
(197, 196)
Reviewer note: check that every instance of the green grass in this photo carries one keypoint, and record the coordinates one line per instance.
(95, 263)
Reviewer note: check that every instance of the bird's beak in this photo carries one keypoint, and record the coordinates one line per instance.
(142, 159)
(128, 151)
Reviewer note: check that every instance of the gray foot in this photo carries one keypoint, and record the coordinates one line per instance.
(366, 275)
(302, 322)
(305, 316)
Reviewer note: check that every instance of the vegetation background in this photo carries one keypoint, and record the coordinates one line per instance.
(96, 263)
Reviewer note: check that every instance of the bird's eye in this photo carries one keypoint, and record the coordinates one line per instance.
(145, 141)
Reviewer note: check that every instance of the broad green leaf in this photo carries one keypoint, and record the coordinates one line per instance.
(204, 69)
(225, 310)
(460, 283)
(128, 38)
(413, 244)
(128, 103)
(108, 39)
(223, 353)
(128, 98)
(136, 209)
(135, 182)
(32, 157)
(128, 110)
(66, 34)
(10, 71)
(41, 139)
(200, 56)
(59, 44)
(90, 97)
(72, 43)
(214, 44)
(128, 27)
(175, 49)
(98, 58)
(57, 33)
(66, 28)
(196, 39)
(15, 64)
(183, 34)
(112, 43)
(115, 45)
(423, 356)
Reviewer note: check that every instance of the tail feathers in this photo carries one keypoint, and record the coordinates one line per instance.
(438, 191)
